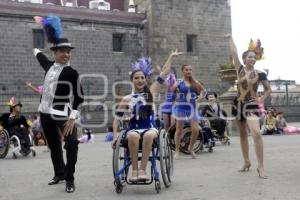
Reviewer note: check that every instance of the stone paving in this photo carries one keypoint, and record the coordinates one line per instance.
(210, 176)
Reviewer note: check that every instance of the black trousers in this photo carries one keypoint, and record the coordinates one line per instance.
(219, 125)
(53, 129)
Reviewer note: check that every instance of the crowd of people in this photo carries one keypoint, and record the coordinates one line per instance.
(275, 123)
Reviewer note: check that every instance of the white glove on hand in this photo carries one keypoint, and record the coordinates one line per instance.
(35, 51)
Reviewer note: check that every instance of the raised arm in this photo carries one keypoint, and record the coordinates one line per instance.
(154, 88)
(234, 52)
(43, 60)
(30, 86)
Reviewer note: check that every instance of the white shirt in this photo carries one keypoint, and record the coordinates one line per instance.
(50, 85)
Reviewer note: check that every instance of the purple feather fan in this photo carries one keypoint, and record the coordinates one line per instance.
(52, 27)
(143, 64)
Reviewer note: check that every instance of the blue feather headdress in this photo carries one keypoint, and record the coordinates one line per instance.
(52, 27)
(144, 64)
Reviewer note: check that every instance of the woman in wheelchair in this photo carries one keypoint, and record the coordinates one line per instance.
(16, 124)
(139, 106)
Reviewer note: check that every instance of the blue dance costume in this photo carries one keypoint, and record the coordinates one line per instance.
(168, 103)
(185, 107)
(137, 123)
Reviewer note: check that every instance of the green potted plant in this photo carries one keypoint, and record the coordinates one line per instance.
(227, 72)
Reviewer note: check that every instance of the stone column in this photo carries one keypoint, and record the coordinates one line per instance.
(226, 100)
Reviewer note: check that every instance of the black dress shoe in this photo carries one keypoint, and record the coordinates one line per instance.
(55, 180)
(70, 186)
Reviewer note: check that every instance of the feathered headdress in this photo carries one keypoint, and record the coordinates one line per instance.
(256, 47)
(13, 102)
(144, 64)
(52, 26)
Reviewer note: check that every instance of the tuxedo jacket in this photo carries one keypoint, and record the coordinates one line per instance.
(67, 97)
(209, 112)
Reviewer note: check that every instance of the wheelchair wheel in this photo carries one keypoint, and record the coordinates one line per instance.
(15, 155)
(171, 135)
(33, 153)
(157, 186)
(169, 154)
(25, 153)
(118, 162)
(185, 141)
(118, 186)
(4, 143)
(164, 158)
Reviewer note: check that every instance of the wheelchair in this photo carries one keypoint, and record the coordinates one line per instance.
(14, 142)
(161, 151)
(216, 129)
(202, 141)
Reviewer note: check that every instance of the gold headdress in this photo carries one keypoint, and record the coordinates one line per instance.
(13, 102)
(256, 47)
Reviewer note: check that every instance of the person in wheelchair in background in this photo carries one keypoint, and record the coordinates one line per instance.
(215, 115)
(16, 124)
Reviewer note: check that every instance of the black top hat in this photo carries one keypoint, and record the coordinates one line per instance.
(211, 93)
(62, 43)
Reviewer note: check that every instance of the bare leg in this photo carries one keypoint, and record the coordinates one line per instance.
(194, 137)
(133, 145)
(173, 120)
(244, 144)
(178, 134)
(147, 147)
(253, 123)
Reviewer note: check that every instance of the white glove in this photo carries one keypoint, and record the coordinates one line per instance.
(74, 114)
(35, 51)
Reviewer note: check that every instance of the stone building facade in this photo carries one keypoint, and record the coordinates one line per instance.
(196, 27)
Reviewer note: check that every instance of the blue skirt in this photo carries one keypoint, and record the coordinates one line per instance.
(186, 112)
(166, 108)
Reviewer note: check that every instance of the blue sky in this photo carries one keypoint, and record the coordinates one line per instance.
(277, 24)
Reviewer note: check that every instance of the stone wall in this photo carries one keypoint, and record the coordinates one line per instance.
(163, 27)
(89, 31)
(171, 20)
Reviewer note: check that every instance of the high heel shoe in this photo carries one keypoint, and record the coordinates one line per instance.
(245, 168)
(261, 173)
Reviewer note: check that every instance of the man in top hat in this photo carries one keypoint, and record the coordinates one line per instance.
(61, 98)
(16, 124)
